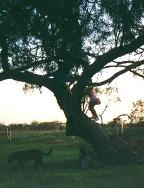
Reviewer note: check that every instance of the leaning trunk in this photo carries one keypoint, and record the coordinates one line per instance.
(108, 149)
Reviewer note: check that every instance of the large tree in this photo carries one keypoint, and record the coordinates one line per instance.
(61, 44)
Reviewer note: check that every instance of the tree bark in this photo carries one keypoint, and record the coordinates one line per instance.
(109, 149)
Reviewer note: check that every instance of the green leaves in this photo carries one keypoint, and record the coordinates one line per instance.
(63, 34)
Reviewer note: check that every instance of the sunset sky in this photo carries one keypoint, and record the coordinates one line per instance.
(18, 107)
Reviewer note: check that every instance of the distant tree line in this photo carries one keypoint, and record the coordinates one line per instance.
(55, 125)
(35, 125)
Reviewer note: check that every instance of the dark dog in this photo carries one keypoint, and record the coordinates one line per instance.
(23, 156)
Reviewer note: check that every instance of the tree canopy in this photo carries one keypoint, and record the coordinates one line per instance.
(59, 39)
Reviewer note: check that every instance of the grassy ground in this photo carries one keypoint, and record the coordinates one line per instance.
(62, 165)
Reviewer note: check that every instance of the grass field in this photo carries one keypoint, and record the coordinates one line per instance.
(62, 165)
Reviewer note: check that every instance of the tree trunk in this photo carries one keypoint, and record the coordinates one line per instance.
(109, 150)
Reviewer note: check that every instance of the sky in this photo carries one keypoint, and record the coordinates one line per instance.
(18, 107)
(130, 89)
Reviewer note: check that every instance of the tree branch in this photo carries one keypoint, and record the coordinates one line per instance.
(106, 58)
(28, 77)
(128, 68)
(137, 74)
(4, 76)
(110, 56)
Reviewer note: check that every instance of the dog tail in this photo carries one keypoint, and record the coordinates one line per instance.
(49, 152)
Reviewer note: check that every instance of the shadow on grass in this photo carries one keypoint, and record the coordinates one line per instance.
(48, 166)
